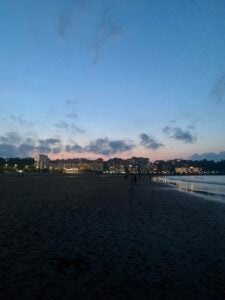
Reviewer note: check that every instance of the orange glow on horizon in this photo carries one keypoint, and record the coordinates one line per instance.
(152, 155)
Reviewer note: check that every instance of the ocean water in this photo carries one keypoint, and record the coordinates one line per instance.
(212, 187)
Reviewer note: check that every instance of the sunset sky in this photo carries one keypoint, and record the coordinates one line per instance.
(108, 78)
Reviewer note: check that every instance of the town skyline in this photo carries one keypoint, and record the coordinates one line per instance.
(132, 165)
(216, 157)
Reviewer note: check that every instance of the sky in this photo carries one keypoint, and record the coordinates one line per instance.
(112, 78)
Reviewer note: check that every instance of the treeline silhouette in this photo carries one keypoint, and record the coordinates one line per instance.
(12, 164)
(207, 166)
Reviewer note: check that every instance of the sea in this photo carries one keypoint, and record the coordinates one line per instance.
(208, 186)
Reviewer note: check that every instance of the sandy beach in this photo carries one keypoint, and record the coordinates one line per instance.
(84, 237)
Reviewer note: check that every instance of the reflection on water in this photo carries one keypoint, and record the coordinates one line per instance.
(208, 186)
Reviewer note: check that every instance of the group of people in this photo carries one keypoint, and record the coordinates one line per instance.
(133, 178)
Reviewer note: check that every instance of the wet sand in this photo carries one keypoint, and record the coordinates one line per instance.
(103, 238)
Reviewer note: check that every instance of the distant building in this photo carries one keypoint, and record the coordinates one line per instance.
(80, 165)
(77, 165)
(188, 170)
(152, 168)
(137, 165)
(42, 161)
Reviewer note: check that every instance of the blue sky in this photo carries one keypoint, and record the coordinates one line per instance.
(112, 78)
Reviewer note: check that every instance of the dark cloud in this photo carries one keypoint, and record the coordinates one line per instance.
(12, 144)
(179, 134)
(167, 130)
(25, 150)
(21, 120)
(29, 141)
(24, 147)
(43, 149)
(72, 111)
(72, 115)
(50, 141)
(56, 150)
(22, 150)
(209, 156)
(182, 135)
(74, 148)
(76, 128)
(192, 127)
(71, 102)
(62, 125)
(3, 139)
(69, 126)
(149, 142)
(11, 137)
(66, 20)
(103, 146)
(108, 30)
(217, 93)
(7, 150)
(49, 145)
(104, 25)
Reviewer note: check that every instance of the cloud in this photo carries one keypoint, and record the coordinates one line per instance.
(103, 146)
(217, 93)
(22, 150)
(11, 137)
(209, 156)
(56, 150)
(62, 125)
(149, 142)
(74, 148)
(72, 115)
(192, 127)
(108, 31)
(71, 106)
(96, 22)
(24, 147)
(70, 14)
(7, 150)
(69, 126)
(12, 144)
(49, 141)
(76, 128)
(167, 130)
(71, 102)
(49, 145)
(179, 134)
(64, 23)
(21, 120)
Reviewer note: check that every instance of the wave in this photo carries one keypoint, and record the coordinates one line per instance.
(206, 193)
(209, 193)
(214, 190)
(196, 181)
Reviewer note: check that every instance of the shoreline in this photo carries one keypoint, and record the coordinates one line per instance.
(100, 237)
(192, 187)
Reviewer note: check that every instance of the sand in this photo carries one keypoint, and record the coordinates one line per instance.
(84, 237)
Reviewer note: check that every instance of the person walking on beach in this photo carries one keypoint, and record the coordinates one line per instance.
(135, 179)
(150, 179)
